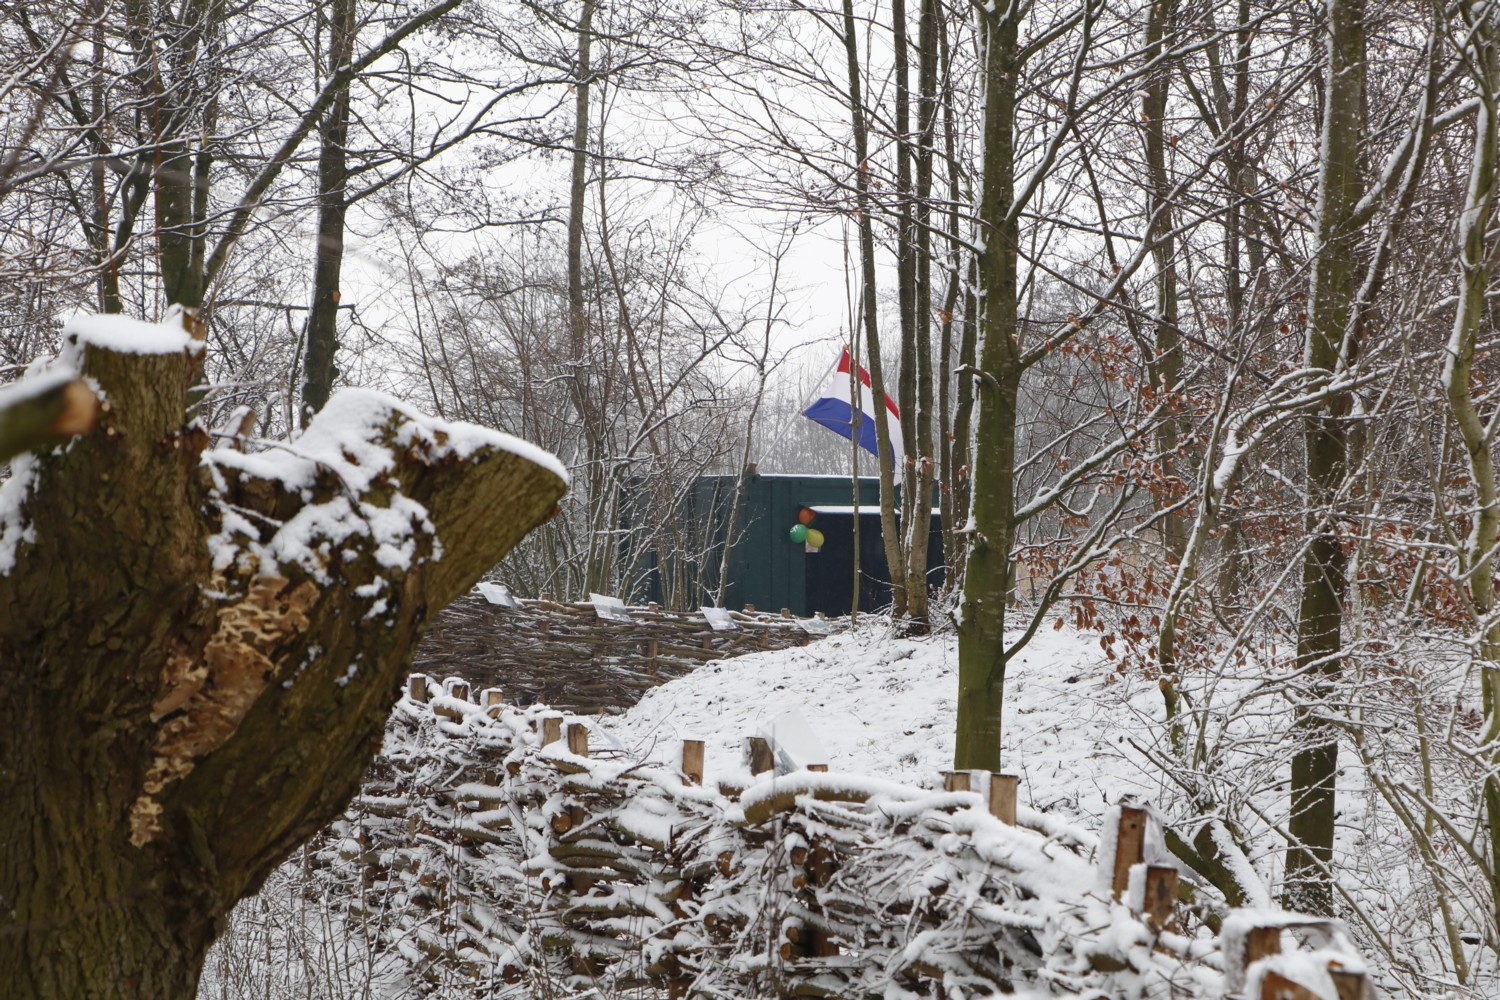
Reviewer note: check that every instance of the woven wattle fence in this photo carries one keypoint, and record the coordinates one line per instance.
(502, 852)
(570, 656)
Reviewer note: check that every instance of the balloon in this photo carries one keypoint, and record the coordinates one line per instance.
(815, 538)
(806, 516)
(799, 533)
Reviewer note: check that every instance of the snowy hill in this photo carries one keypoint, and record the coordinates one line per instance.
(885, 707)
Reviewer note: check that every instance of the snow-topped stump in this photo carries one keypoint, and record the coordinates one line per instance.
(201, 637)
(530, 858)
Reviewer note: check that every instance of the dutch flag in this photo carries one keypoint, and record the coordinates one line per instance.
(834, 410)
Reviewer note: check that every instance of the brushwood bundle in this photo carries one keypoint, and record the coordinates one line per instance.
(503, 856)
(570, 656)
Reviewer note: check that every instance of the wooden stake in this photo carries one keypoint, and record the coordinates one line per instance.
(955, 781)
(458, 689)
(416, 688)
(819, 768)
(651, 648)
(692, 761)
(761, 758)
(1161, 895)
(551, 729)
(578, 739)
(492, 697)
(1130, 846)
(1003, 792)
(1277, 987)
(1348, 985)
(1260, 943)
(820, 864)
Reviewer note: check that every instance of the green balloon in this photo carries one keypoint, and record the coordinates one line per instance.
(799, 533)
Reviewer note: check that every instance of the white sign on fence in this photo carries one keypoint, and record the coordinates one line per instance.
(816, 626)
(610, 608)
(718, 619)
(796, 744)
(498, 594)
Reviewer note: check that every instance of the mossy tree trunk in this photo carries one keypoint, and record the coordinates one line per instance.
(1320, 615)
(987, 576)
(198, 652)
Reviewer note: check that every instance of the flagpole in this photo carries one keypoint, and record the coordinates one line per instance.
(854, 412)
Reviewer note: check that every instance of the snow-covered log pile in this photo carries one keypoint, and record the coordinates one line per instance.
(501, 855)
(572, 656)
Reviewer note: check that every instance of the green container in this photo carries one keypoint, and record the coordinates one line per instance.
(770, 570)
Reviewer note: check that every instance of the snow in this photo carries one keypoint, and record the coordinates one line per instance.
(15, 529)
(884, 707)
(348, 439)
(33, 386)
(871, 509)
(124, 335)
(795, 742)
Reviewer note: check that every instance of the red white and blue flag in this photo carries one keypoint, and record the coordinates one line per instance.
(834, 409)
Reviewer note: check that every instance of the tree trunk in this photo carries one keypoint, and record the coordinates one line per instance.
(955, 410)
(920, 471)
(890, 532)
(1320, 612)
(333, 176)
(178, 237)
(987, 578)
(590, 413)
(1165, 368)
(198, 652)
(1477, 560)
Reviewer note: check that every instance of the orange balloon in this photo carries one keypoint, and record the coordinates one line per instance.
(806, 515)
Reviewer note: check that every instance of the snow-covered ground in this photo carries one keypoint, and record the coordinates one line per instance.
(884, 707)
(1076, 729)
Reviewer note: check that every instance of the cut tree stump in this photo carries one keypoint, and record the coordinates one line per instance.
(216, 634)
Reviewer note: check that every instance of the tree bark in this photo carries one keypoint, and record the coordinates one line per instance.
(333, 175)
(200, 648)
(920, 471)
(1165, 368)
(890, 532)
(178, 229)
(987, 577)
(589, 411)
(1320, 611)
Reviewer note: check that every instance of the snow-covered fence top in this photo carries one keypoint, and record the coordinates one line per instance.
(573, 656)
(504, 852)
